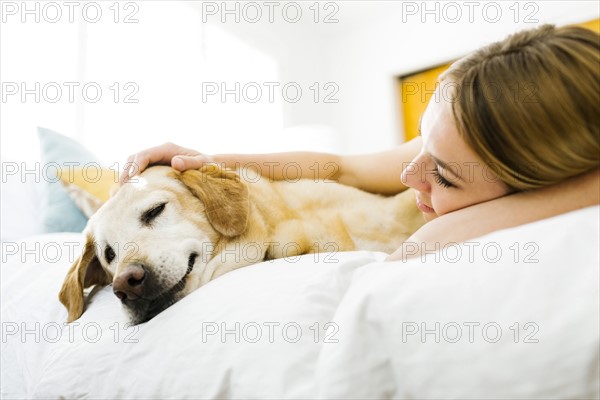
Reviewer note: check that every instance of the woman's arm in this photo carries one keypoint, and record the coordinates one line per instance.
(376, 173)
(504, 212)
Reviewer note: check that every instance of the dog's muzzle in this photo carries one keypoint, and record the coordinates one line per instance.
(140, 292)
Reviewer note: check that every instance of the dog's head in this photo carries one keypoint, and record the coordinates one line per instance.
(154, 238)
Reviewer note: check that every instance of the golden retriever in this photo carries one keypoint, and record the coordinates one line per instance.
(165, 235)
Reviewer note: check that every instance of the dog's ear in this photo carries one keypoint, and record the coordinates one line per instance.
(85, 272)
(224, 195)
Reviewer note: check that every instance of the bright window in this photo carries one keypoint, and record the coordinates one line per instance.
(138, 84)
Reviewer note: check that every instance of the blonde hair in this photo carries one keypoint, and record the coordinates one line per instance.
(529, 105)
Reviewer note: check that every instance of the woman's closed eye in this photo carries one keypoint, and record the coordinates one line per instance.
(439, 178)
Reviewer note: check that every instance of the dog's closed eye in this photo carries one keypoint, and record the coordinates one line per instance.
(151, 214)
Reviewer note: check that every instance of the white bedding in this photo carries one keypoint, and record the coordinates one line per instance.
(343, 325)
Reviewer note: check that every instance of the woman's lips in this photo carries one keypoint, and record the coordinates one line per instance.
(424, 207)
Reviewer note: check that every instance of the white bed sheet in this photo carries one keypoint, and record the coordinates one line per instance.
(368, 350)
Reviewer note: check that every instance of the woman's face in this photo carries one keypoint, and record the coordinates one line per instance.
(447, 174)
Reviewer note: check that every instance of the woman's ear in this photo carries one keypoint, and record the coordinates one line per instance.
(224, 195)
(85, 272)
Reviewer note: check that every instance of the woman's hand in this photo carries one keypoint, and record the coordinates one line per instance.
(171, 154)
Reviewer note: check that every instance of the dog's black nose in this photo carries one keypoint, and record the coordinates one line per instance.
(129, 284)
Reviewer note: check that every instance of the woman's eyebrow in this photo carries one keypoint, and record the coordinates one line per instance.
(446, 167)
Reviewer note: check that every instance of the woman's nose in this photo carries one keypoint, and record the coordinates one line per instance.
(415, 176)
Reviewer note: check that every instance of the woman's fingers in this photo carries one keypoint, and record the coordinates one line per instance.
(182, 162)
(161, 155)
(126, 169)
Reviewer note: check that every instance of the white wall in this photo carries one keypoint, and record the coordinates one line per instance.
(368, 60)
(177, 46)
(375, 42)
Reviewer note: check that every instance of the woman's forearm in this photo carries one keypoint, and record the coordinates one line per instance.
(375, 173)
(286, 166)
(505, 212)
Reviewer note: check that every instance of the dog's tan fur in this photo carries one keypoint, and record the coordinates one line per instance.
(229, 222)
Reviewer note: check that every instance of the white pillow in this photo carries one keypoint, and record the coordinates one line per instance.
(33, 270)
(545, 300)
(19, 202)
(371, 305)
(168, 357)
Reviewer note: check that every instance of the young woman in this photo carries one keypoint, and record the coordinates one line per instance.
(511, 136)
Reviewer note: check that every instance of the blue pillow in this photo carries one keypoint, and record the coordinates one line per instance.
(59, 212)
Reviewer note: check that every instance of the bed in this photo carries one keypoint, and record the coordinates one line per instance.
(519, 319)
(514, 314)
